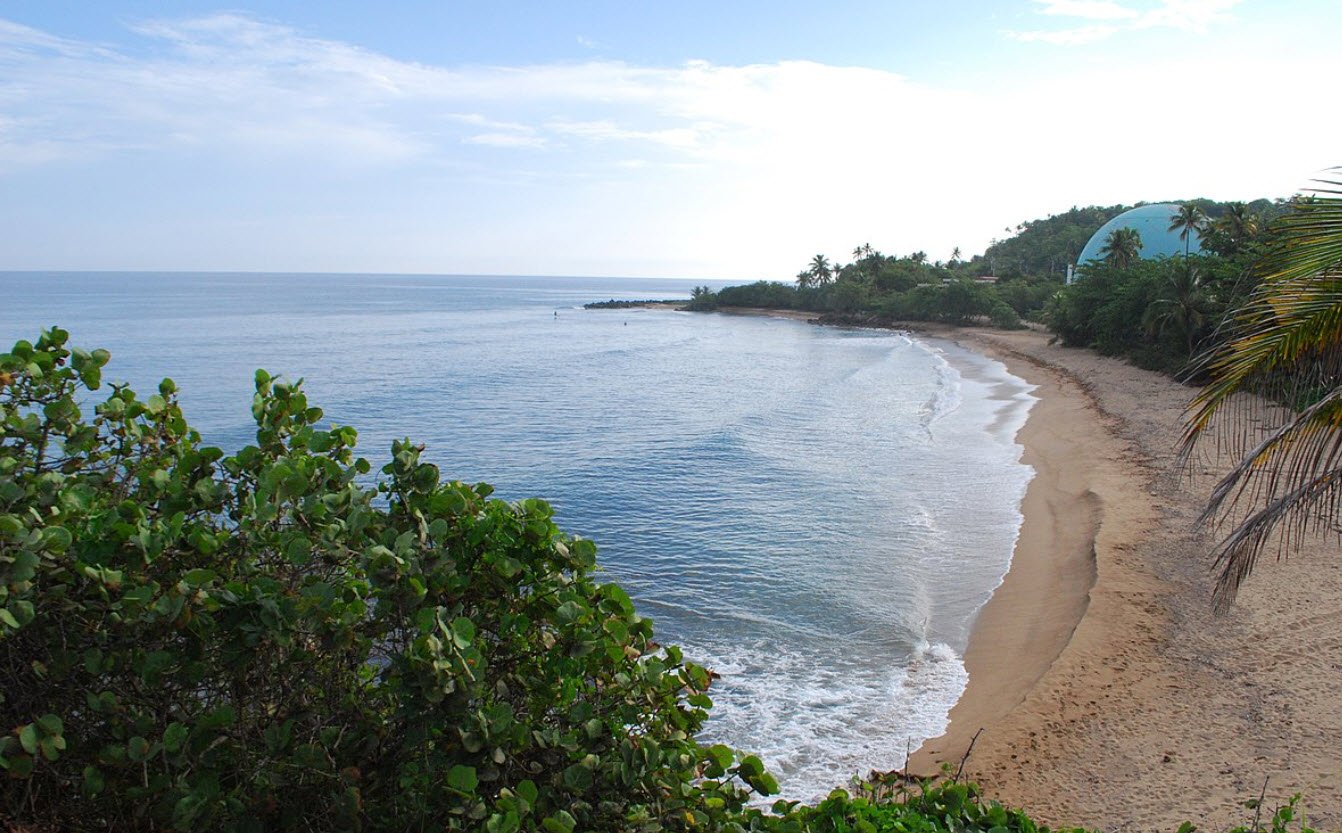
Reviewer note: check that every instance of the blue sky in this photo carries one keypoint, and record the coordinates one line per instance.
(696, 139)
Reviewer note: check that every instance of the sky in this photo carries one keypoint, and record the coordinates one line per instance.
(713, 140)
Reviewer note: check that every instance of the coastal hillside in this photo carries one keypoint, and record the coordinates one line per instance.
(1046, 247)
(1159, 313)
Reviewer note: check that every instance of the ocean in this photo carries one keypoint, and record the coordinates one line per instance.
(815, 513)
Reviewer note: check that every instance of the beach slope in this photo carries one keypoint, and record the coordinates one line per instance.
(1107, 692)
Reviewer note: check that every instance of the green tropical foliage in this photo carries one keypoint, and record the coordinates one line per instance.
(819, 271)
(1163, 313)
(1043, 248)
(1232, 231)
(877, 288)
(1015, 279)
(1183, 306)
(1122, 247)
(275, 640)
(1189, 220)
(1285, 343)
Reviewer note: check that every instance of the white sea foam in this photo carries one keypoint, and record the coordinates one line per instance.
(817, 721)
(947, 394)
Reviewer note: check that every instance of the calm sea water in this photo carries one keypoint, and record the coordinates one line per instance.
(815, 513)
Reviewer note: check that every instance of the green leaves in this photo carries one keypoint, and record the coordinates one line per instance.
(44, 736)
(751, 770)
(174, 737)
(267, 640)
(138, 749)
(28, 737)
(463, 632)
(462, 779)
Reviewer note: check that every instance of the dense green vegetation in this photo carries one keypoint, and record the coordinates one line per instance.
(879, 289)
(1044, 247)
(1159, 313)
(1163, 313)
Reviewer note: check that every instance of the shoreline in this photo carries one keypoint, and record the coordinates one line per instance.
(1032, 614)
(1117, 700)
(1155, 711)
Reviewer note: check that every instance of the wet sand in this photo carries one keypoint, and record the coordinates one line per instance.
(1107, 692)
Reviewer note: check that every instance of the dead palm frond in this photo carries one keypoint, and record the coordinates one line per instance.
(1285, 345)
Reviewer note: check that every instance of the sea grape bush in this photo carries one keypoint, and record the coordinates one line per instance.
(196, 641)
(908, 808)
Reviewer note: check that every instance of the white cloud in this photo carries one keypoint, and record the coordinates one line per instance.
(325, 156)
(1089, 9)
(1189, 15)
(1185, 15)
(506, 140)
(1067, 37)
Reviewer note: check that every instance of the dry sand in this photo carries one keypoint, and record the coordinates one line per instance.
(1107, 692)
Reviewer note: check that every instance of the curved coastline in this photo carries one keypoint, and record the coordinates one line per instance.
(1139, 709)
(1108, 694)
(1032, 615)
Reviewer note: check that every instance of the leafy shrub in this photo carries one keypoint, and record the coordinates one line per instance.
(944, 808)
(197, 641)
(702, 299)
(771, 295)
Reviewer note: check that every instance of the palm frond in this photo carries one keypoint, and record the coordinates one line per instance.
(1285, 326)
(1285, 344)
(1299, 510)
(1295, 474)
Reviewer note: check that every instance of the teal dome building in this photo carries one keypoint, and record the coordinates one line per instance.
(1152, 222)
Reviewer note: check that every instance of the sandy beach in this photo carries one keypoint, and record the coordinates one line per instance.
(1107, 692)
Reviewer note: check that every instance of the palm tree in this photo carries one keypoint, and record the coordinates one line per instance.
(1237, 225)
(804, 279)
(1189, 218)
(820, 270)
(1285, 343)
(1183, 305)
(1122, 247)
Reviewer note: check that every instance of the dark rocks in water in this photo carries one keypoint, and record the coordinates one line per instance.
(861, 319)
(614, 304)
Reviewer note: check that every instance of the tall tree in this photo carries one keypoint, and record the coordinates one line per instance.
(1183, 306)
(820, 270)
(1238, 226)
(1286, 343)
(1122, 247)
(1190, 219)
